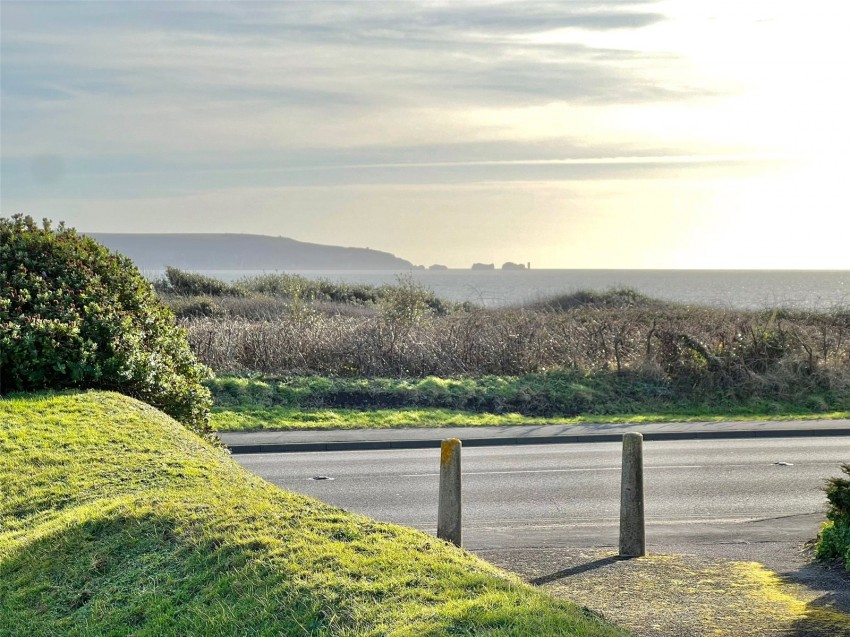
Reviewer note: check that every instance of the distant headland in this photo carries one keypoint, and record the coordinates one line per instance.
(243, 252)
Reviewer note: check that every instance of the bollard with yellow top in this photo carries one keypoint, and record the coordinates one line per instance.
(449, 508)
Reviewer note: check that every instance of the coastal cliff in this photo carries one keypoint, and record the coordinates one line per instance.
(243, 252)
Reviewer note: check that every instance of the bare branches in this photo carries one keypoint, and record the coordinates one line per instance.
(695, 346)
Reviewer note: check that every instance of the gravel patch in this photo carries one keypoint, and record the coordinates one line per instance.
(694, 595)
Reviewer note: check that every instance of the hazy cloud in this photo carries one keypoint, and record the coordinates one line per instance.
(318, 53)
(181, 102)
(176, 77)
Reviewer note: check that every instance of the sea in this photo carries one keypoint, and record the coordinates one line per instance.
(732, 289)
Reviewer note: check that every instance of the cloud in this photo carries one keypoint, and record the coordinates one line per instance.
(109, 178)
(313, 53)
(180, 83)
(559, 120)
(333, 52)
(342, 19)
(518, 17)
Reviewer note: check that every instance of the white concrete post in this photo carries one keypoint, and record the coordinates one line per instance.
(449, 508)
(632, 525)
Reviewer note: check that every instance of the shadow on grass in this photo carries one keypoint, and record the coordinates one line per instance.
(182, 567)
(129, 571)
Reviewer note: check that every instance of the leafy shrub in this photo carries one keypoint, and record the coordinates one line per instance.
(194, 284)
(283, 285)
(405, 303)
(196, 307)
(297, 287)
(834, 539)
(74, 315)
(838, 494)
(294, 286)
(616, 298)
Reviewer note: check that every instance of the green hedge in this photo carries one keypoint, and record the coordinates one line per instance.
(74, 315)
(834, 539)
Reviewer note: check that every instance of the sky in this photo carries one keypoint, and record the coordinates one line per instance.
(571, 134)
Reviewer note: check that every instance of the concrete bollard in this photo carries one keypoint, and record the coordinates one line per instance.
(449, 508)
(632, 526)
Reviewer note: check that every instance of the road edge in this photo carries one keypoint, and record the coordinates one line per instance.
(370, 445)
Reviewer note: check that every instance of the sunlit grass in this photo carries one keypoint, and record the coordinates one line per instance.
(289, 418)
(320, 402)
(115, 520)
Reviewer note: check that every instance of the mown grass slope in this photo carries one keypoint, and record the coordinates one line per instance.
(114, 519)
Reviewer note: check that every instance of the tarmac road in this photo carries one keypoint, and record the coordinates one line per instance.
(698, 492)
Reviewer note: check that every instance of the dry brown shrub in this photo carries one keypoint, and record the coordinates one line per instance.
(692, 345)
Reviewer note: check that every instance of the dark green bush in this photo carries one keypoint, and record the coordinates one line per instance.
(74, 315)
(613, 298)
(838, 494)
(295, 286)
(193, 284)
(196, 307)
(834, 539)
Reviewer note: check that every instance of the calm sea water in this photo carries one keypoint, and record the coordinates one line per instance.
(745, 289)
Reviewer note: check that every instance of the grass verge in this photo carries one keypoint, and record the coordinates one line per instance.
(294, 418)
(115, 520)
(320, 402)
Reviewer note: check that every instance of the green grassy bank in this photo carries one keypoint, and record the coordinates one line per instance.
(319, 402)
(115, 520)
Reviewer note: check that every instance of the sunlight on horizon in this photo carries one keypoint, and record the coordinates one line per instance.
(645, 135)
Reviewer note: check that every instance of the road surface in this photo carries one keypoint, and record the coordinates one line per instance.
(698, 492)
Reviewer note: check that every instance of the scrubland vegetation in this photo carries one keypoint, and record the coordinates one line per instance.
(588, 352)
(270, 296)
